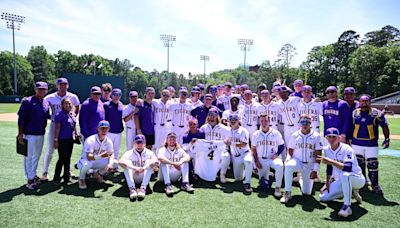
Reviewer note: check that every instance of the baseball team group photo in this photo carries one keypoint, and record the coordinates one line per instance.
(298, 138)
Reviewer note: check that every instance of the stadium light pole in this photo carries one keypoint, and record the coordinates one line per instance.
(14, 23)
(205, 58)
(167, 40)
(245, 46)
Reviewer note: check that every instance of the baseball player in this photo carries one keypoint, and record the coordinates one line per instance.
(267, 144)
(235, 108)
(32, 120)
(225, 99)
(260, 88)
(240, 153)
(298, 88)
(365, 138)
(303, 146)
(250, 112)
(144, 118)
(349, 95)
(336, 113)
(106, 89)
(128, 115)
(180, 113)
(201, 112)
(54, 102)
(195, 98)
(162, 118)
(288, 106)
(113, 114)
(310, 107)
(174, 164)
(270, 108)
(138, 165)
(99, 155)
(343, 175)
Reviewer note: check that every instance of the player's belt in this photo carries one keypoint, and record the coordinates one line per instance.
(162, 124)
(178, 126)
(291, 125)
(249, 125)
(128, 127)
(168, 120)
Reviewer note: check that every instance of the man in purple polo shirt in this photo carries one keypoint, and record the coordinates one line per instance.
(32, 121)
(91, 113)
(113, 114)
(349, 95)
(336, 113)
(201, 112)
(144, 118)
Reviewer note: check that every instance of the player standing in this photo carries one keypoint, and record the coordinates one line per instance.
(234, 109)
(144, 118)
(250, 113)
(180, 113)
(303, 147)
(310, 107)
(128, 115)
(343, 175)
(270, 108)
(54, 102)
(162, 119)
(267, 144)
(138, 164)
(365, 138)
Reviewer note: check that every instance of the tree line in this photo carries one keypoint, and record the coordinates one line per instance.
(370, 64)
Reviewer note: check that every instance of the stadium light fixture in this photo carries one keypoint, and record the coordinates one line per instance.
(245, 47)
(205, 58)
(168, 41)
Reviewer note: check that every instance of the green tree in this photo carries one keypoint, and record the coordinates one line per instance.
(43, 65)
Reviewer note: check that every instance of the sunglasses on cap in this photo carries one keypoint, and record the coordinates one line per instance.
(330, 91)
(233, 120)
(184, 94)
(305, 121)
(139, 142)
(116, 94)
(133, 96)
(106, 90)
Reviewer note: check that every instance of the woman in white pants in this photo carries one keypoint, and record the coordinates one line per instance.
(343, 174)
(138, 164)
(174, 164)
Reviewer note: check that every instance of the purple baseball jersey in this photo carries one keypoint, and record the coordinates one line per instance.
(32, 116)
(67, 123)
(90, 115)
(113, 114)
(336, 114)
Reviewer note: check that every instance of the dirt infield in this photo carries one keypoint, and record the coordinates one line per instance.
(9, 117)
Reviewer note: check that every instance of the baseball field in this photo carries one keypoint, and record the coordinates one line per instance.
(212, 204)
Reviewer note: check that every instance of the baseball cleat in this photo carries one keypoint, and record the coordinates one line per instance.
(43, 179)
(142, 192)
(345, 211)
(31, 185)
(357, 196)
(377, 189)
(82, 184)
(168, 189)
(247, 188)
(56, 182)
(278, 192)
(286, 197)
(186, 187)
(222, 179)
(132, 193)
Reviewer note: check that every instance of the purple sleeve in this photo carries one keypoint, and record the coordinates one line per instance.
(345, 113)
(329, 170)
(347, 166)
(58, 117)
(22, 112)
(83, 120)
(280, 149)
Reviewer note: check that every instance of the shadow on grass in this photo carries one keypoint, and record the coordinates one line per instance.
(308, 203)
(43, 189)
(92, 187)
(376, 199)
(358, 212)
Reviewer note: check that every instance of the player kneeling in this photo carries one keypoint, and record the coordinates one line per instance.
(343, 174)
(267, 144)
(305, 144)
(174, 164)
(99, 155)
(242, 159)
(138, 164)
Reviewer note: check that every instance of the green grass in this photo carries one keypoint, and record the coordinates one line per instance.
(9, 108)
(212, 205)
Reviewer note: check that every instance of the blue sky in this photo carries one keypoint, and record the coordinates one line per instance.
(131, 29)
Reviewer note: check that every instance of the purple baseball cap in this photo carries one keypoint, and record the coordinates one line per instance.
(298, 82)
(332, 132)
(284, 89)
(331, 88)
(238, 86)
(103, 123)
(116, 92)
(220, 86)
(133, 93)
(349, 90)
(208, 96)
(264, 92)
(307, 88)
(95, 90)
(229, 84)
(233, 116)
(364, 98)
(183, 90)
(213, 111)
(245, 86)
(41, 85)
(247, 91)
(140, 138)
(61, 81)
(195, 89)
(172, 134)
(201, 86)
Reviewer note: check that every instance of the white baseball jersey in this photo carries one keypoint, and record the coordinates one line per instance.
(174, 155)
(54, 101)
(289, 111)
(227, 112)
(128, 109)
(266, 143)
(139, 159)
(180, 113)
(226, 101)
(305, 145)
(240, 135)
(94, 145)
(218, 132)
(313, 109)
(250, 114)
(162, 113)
(273, 112)
(195, 104)
(344, 153)
(208, 158)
